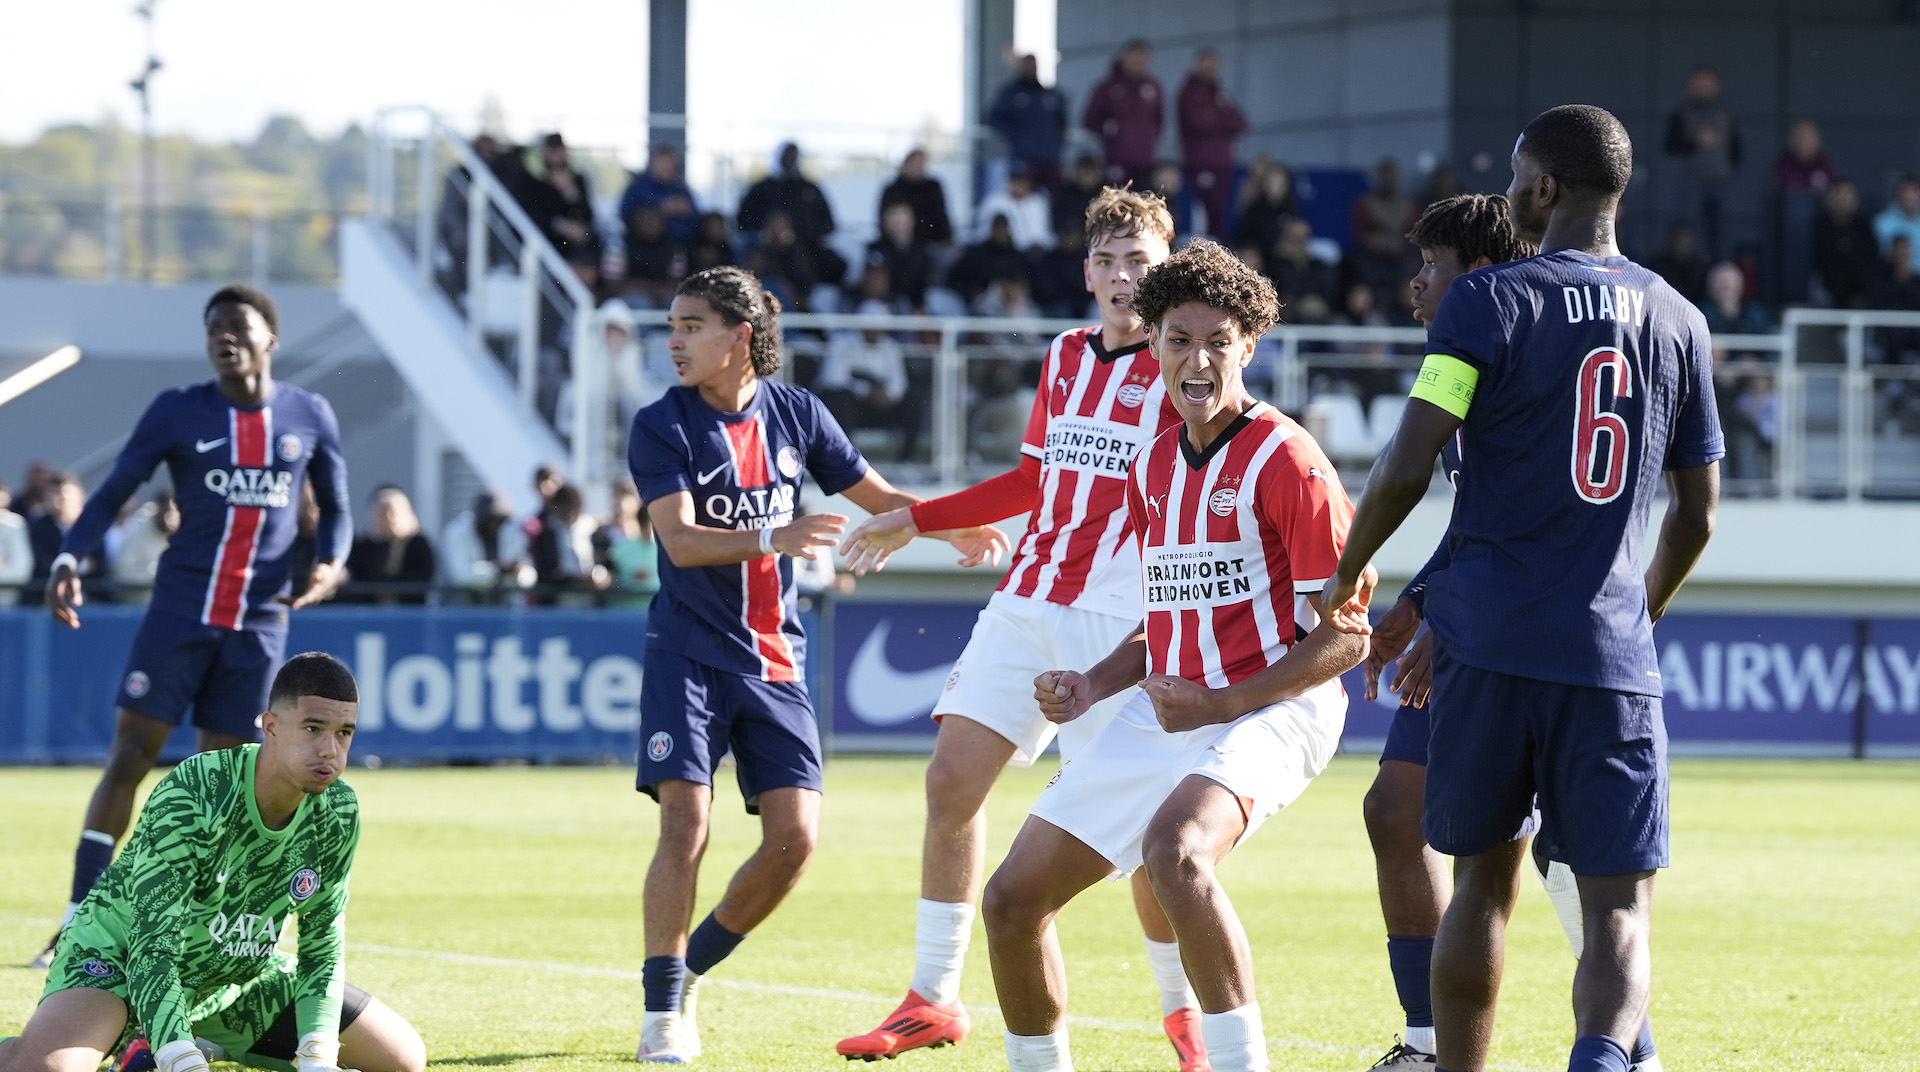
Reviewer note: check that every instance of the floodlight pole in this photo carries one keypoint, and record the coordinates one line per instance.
(149, 164)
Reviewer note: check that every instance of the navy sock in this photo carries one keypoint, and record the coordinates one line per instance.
(1412, 962)
(709, 945)
(90, 861)
(660, 980)
(1597, 1053)
(1643, 1047)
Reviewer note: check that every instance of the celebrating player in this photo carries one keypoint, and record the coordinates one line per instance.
(237, 449)
(179, 940)
(718, 461)
(1241, 518)
(1544, 674)
(1071, 594)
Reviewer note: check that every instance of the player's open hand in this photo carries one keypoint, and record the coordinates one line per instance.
(808, 533)
(982, 543)
(1391, 635)
(1064, 695)
(1414, 682)
(326, 577)
(875, 540)
(1343, 602)
(63, 595)
(1182, 705)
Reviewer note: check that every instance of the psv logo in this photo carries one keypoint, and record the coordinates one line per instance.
(1222, 501)
(1131, 395)
(305, 883)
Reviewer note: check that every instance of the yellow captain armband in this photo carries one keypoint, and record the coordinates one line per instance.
(1447, 382)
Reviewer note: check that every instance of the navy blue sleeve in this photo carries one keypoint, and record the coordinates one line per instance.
(328, 472)
(836, 464)
(657, 456)
(1697, 439)
(1467, 325)
(146, 448)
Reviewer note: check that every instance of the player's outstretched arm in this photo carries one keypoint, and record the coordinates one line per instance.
(1318, 658)
(892, 527)
(1683, 533)
(688, 543)
(160, 880)
(1398, 482)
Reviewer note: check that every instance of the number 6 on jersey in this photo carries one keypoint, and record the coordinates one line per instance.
(1592, 418)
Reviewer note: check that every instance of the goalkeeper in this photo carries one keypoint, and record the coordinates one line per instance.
(178, 942)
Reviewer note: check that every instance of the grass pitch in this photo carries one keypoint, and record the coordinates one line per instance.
(499, 909)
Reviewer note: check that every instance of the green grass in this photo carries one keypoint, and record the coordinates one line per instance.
(1787, 936)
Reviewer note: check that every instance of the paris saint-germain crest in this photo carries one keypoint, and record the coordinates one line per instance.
(97, 968)
(659, 746)
(289, 447)
(306, 882)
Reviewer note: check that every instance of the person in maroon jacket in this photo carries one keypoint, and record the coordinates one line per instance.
(1125, 110)
(1209, 125)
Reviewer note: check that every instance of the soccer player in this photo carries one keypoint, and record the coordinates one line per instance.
(1241, 518)
(237, 449)
(178, 942)
(718, 462)
(1071, 594)
(1574, 379)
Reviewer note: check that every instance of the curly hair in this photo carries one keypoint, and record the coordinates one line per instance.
(242, 294)
(736, 294)
(1205, 272)
(1473, 226)
(1122, 212)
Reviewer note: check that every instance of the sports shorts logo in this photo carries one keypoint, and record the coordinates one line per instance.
(289, 447)
(306, 882)
(789, 462)
(97, 968)
(138, 683)
(1222, 500)
(659, 746)
(1131, 395)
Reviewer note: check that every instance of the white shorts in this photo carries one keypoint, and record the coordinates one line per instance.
(1111, 790)
(1015, 640)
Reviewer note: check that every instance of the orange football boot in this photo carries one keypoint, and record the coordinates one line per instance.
(916, 1023)
(1183, 1030)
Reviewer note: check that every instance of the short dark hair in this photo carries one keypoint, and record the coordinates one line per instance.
(242, 294)
(1473, 226)
(312, 673)
(1583, 147)
(1205, 272)
(736, 294)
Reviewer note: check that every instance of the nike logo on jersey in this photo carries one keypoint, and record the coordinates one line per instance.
(879, 694)
(204, 445)
(220, 878)
(707, 478)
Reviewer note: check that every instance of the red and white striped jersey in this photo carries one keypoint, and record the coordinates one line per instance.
(1095, 411)
(1232, 539)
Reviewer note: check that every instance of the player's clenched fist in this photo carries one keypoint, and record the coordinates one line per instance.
(1180, 704)
(1064, 695)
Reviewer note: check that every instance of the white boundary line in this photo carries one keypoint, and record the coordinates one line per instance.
(823, 993)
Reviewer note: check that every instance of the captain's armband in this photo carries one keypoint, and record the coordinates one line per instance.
(1447, 382)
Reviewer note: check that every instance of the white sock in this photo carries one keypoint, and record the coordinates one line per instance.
(1039, 1053)
(1419, 1038)
(1651, 1064)
(1564, 891)
(1236, 1042)
(1175, 992)
(941, 932)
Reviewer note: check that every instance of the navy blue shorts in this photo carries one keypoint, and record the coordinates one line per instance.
(224, 675)
(1408, 733)
(691, 714)
(1596, 758)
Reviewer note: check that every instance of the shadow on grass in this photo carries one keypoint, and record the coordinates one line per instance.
(491, 1059)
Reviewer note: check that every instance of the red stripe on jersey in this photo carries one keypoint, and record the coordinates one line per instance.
(233, 561)
(763, 611)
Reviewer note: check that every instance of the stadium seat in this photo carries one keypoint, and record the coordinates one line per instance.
(1337, 421)
(1383, 416)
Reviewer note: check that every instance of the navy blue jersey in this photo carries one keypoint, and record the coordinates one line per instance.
(1594, 376)
(1416, 589)
(743, 471)
(236, 474)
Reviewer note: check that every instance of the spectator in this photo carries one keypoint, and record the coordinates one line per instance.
(906, 257)
(34, 484)
(560, 203)
(1210, 123)
(656, 261)
(1305, 283)
(863, 380)
(711, 247)
(546, 481)
(1727, 308)
(1172, 189)
(137, 561)
(392, 554)
(1704, 136)
(1750, 415)
(1033, 120)
(787, 191)
(1442, 183)
(924, 194)
(1801, 178)
(1846, 255)
(1070, 201)
(483, 548)
(563, 557)
(1266, 204)
(1803, 168)
(1060, 275)
(1025, 207)
(1899, 284)
(627, 550)
(1126, 112)
(802, 264)
(61, 498)
(16, 550)
(1900, 217)
(661, 186)
(1681, 265)
(983, 262)
(1382, 217)
(455, 195)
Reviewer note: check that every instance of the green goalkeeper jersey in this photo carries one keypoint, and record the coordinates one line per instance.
(203, 892)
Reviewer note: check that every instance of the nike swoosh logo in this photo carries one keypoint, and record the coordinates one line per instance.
(706, 478)
(878, 694)
(220, 878)
(205, 445)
